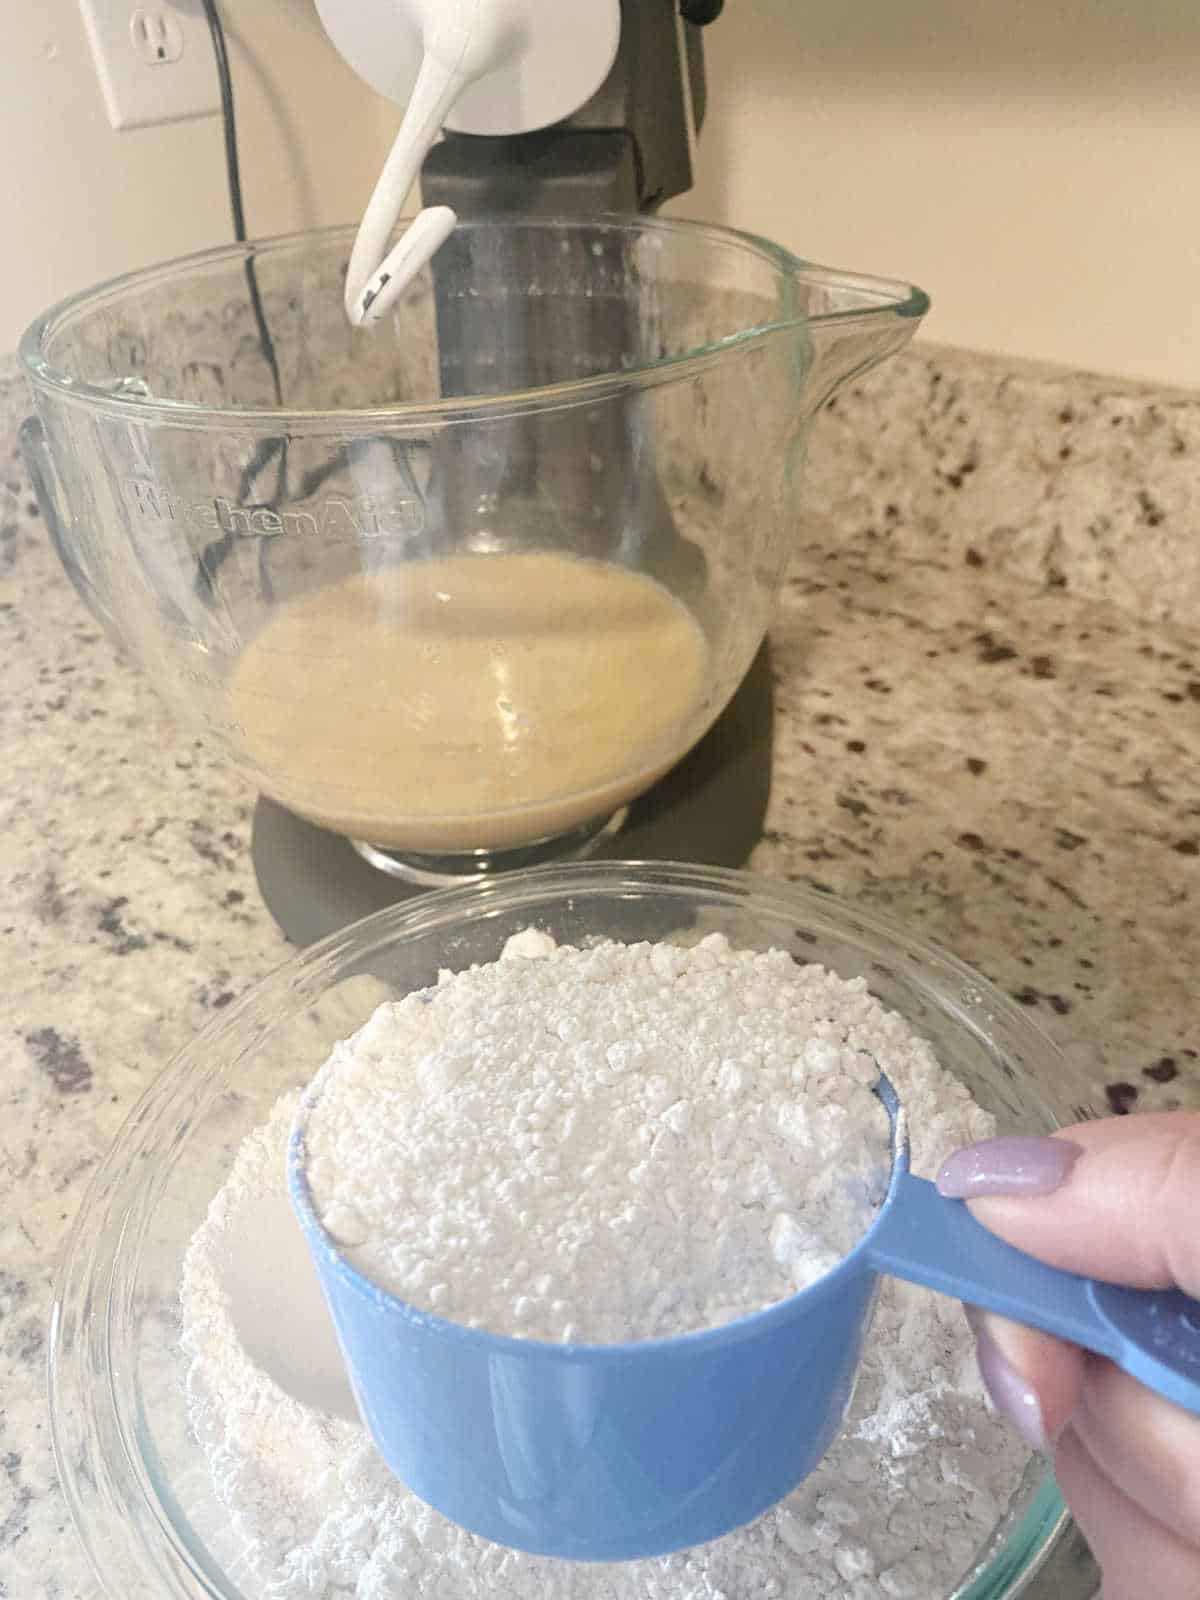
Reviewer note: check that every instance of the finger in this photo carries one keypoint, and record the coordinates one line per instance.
(1125, 1210)
(1147, 1447)
(1137, 1555)
(1033, 1380)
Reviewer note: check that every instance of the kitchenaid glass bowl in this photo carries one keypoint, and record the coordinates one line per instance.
(136, 1482)
(262, 504)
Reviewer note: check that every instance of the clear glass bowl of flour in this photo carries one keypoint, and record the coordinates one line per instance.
(141, 1487)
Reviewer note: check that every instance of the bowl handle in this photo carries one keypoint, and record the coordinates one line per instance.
(47, 486)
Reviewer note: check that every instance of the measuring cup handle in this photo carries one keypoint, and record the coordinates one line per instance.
(1154, 1335)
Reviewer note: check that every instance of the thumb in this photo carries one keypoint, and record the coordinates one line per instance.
(1116, 1199)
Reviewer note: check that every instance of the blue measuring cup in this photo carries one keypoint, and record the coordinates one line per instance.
(617, 1451)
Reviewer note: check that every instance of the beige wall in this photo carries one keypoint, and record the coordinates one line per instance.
(1035, 164)
(79, 202)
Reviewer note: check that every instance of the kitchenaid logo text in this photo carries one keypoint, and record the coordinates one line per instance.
(334, 517)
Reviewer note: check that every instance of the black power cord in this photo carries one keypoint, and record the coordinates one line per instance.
(269, 448)
(225, 82)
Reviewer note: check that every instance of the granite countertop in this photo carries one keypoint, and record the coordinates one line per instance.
(987, 709)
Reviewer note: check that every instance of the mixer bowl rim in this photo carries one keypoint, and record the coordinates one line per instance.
(881, 295)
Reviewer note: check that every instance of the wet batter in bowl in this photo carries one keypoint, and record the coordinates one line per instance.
(471, 702)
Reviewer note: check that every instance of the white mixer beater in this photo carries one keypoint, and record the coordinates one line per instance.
(495, 67)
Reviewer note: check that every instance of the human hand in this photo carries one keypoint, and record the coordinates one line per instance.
(1118, 1200)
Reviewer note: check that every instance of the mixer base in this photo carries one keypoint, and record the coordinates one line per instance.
(709, 809)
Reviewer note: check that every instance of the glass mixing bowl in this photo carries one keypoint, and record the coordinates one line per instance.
(459, 585)
(136, 1482)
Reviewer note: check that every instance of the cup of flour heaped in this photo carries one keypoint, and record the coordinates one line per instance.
(600, 1231)
(578, 1213)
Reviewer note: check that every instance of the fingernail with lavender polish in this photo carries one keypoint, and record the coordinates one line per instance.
(1011, 1395)
(1022, 1166)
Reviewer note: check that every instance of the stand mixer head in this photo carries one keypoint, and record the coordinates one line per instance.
(521, 65)
(612, 81)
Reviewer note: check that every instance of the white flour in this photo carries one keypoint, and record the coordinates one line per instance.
(901, 1505)
(623, 1142)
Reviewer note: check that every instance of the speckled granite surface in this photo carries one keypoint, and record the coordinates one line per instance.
(987, 722)
(1071, 482)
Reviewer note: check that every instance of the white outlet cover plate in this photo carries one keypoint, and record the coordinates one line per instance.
(138, 93)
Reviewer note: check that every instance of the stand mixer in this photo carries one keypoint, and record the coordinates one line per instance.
(542, 109)
(463, 550)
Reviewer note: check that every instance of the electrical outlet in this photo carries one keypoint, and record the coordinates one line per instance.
(155, 61)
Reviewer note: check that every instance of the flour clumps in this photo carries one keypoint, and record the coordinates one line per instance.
(902, 1506)
(620, 1142)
